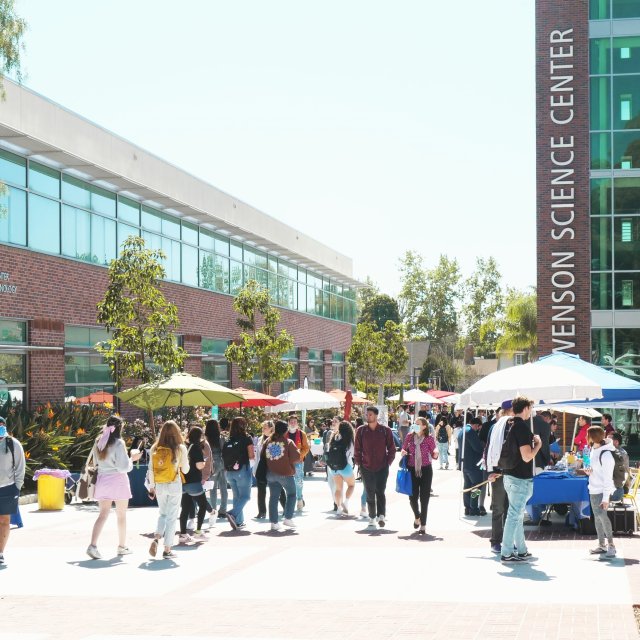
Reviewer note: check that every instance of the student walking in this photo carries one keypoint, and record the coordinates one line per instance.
(326, 437)
(420, 449)
(237, 455)
(340, 465)
(112, 485)
(443, 438)
(301, 441)
(168, 457)
(282, 456)
(12, 469)
(261, 480)
(374, 452)
(218, 475)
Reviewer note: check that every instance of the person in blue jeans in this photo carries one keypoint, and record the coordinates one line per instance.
(299, 438)
(218, 475)
(237, 454)
(282, 456)
(521, 448)
(471, 456)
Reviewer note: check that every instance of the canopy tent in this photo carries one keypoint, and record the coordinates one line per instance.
(441, 395)
(415, 395)
(617, 391)
(304, 399)
(252, 398)
(574, 409)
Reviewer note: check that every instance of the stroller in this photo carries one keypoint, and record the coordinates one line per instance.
(70, 487)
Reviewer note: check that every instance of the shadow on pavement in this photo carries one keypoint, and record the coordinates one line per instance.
(234, 534)
(525, 571)
(376, 532)
(97, 564)
(161, 564)
(427, 537)
(277, 534)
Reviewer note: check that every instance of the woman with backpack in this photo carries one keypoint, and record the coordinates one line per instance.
(168, 457)
(192, 489)
(281, 455)
(218, 475)
(110, 455)
(237, 455)
(443, 438)
(340, 464)
(420, 448)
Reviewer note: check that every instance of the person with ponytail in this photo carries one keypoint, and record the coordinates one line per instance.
(113, 462)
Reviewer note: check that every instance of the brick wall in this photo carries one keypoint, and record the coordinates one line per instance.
(569, 284)
(53, 292)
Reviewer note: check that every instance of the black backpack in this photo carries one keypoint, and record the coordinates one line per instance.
(233, 453)
(443, 436)
(510, 452)
(337, 454)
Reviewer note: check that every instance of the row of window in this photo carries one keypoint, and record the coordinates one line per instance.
(615, 196)
(615, 103)
(614, 243)
(618, 290)
(604, 9)
(617, 150)
(618, 349)
(61, 215)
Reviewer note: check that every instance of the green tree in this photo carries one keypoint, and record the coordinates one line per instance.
(440, 365)
(483, 306)
(366, 359)
(520, 324)
(12, 28)
(395, 352)
(259, 349)
(142, 322)
(365, 293)
(379, 309)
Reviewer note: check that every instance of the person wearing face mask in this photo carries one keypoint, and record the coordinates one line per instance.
(301, 441)
(12, 468)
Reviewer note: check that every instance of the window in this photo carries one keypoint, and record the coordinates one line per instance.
(44, 224)
(598, 9)
(625, 107)
(171, 250)
(103, 201)
(600, 104)
(517, 358)
(76, 192)
(602, 347)
(235, 277)
(215, 366)
(600, 243)
(103, 240)
(124, 231)
(337, 371)
(13, 361)
(236, 250)
(599, 56)
(626, 55)
(626, 150)
(13, 169)
(151, 219)
(85, 371)
(600, 151)
(189, 265)
(13, 216)
(626, 196)
(601, 299)
(626, 290)
(128, 210)
(76, 233)
(190, 233)
(316, 370)
(44, 180)
(625, 284)
(626, 8)
(627, 352)
(293, 381)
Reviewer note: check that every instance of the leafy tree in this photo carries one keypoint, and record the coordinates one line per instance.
(364, 294)
(260, 347)
(440, 365)
(12, 28)
(142, 322)
(483, 306)
(520, 324)
(429, 298)
(379, 309)
(366, 359)
(395, 352)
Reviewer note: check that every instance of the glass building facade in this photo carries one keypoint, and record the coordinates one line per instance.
(614, 68)
(56, 213)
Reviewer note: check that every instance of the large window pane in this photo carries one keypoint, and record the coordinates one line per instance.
(601, 299)
(44, 180)
(626, 150)
(76, 233)
(626, 102)
(128, 210)
(598, 9)
(627, 343)
(171, 250)
(626, 242)
(78, 336)
(214, 346)
(626, 55)
(190, 233)
(627, 290)
(236, 277)
(13, 332)
(600, 151)
(12, 370)
(223, 279)
(124, 231)
(601, 196)
(207, 270)
(171, 227)
(103, 201)
(151, 220)
(626, 9)
(599, 56)
(103, 240)
(302, 297)
(217, 371)
(13, 216)
(189, 265)
(626, 195)
(13, 169)
(44, 224)
(600, 243)
(236, 250)
(76, 192)
(222, 246)
(600, 105)
(207, 239)
(602, 347)
(81, 369)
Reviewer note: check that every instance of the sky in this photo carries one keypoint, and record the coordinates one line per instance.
(376, 127)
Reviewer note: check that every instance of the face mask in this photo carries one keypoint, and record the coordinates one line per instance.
(3, 431)
(415, 428)
(293, 429)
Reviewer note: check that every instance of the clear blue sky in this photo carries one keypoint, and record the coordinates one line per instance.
(375, 127)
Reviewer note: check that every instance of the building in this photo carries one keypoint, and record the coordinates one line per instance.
(588, 180)
(75, 191)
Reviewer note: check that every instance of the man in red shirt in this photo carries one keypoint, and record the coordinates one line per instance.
(374, 453)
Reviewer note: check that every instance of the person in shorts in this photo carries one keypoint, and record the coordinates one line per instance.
(340, 450)
(12, 468)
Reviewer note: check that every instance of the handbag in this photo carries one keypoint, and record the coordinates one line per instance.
(404, 484)
(87, 482)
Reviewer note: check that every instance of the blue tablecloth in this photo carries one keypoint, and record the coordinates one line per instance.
(557, 487)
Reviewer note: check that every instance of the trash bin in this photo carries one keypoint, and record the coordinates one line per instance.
(50, 488)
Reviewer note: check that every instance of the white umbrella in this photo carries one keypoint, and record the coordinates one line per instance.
(575, 409)
(540, 383)
(301, 399)
(415, 395)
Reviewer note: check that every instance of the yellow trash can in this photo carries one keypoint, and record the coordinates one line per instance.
(50, 493)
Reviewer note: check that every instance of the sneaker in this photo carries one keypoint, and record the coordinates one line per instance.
(545, 523)
(1, 558)
(381, 521)
(598, 550)
(184, 538)
(276, 526)
(222, 514)
(289, 523)
(422, 531)
(372, 522)
(344, 508)
(611, 551)
(153, 549)
(232, 521)
(92, 552)
(299, 505)
(168, 554)
(241, 525)
(483, 511)
(364, 513)
(261, 516)
(199, 535)
(511, 558)
(190, 523)
(335, 506)
(525, 556)
(124, 551)
(496, 548)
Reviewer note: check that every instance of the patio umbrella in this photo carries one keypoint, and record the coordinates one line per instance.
(304, 399)
(178, 390)
(342, 396)
(252, 398)
(97, 397)
(415, 395)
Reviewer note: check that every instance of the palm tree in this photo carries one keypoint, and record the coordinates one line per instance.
(520, 324)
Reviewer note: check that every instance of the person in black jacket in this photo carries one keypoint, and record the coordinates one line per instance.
(472, 454)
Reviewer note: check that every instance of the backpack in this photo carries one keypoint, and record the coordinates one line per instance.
(443, 436)
(162, 465)
(8, 447)
(510, 452)
(337, 454)
(232, 454)
(619, 472)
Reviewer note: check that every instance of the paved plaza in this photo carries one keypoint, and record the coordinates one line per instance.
(332, 579)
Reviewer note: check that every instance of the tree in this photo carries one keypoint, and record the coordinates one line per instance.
(12, 28)
(142, 322)
(259, 349)
(440, 365)
(379, 309)
(395, 353)
(364, 294)
(366, 360)
(483, 306)
(520, 323)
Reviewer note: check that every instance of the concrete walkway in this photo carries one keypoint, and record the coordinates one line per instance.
(332, 579)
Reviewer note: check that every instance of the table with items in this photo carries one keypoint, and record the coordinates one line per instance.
(562, 487)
